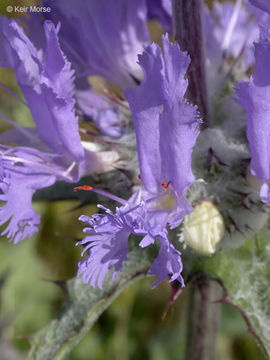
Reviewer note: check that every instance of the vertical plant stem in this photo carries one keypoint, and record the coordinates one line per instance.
(203, 315)
(188, 32)
(202, 326)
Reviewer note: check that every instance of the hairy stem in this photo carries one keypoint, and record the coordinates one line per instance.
(202, 326)
(188, 32)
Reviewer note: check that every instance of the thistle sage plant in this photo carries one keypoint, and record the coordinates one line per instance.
(185, 183)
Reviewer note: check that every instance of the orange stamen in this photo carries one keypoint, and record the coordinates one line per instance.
(83, 187)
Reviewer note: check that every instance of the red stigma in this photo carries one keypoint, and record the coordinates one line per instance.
(165, 185)
(83, 187)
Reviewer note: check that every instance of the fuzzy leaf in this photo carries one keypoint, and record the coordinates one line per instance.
(82, 308)
(244, 273)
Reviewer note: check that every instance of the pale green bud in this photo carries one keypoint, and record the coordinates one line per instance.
(203, 228)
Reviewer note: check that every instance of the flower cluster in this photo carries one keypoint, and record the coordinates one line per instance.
(141, 123)
(107, 242)
(53, 149)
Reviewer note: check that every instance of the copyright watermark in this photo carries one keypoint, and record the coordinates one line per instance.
(28, 9)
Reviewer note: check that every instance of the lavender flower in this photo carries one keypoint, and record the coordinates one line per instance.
(48, 152)
(18, 182)
(101, 111)
(254, 97)
(47, 86)
(166, 126)
(118, 27)
(106, 244)
(51, 151)
(166, 129)
(162, 11)
(231, 30)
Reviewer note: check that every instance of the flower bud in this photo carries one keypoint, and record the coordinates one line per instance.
(203, 228)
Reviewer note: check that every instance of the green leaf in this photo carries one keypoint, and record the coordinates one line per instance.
(245, 275)
(82, 308)
(24, 293)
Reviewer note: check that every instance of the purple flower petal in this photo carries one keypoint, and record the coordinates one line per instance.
(178, 121)
(107, 239)
(254, 97)
(167, 262)
(261, 4)
(166, 126)
(234, 30)
(119, 28)
(47, 86)
(97, 108)
(162, 11)
(17, 186)
(106, 246)
(145, 102)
